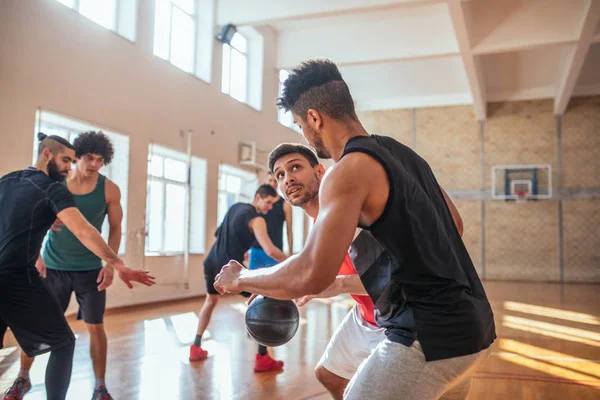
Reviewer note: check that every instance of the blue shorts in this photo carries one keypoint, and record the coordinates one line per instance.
(259, 259)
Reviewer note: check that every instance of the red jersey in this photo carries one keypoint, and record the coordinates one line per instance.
(365, 304)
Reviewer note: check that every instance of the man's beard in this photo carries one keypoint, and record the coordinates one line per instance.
(53, 171)
(319, 146)
(310, 194)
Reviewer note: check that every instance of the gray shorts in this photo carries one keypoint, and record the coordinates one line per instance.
(395, 371)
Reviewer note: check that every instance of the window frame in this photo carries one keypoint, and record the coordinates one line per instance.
(195, 19)
(246, 54)
(119, 27)
(186, 185)
(231, 170)
(291, 125)
(106, 170)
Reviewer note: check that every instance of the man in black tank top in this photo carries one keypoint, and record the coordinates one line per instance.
(280, 213)
(383, 186)
(243, 224)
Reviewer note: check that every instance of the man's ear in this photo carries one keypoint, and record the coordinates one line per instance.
(314, 118)
(320, 170)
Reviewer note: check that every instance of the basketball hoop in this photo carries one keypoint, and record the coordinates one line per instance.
(521, 195)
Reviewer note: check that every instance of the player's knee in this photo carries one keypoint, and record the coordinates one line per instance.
(95, 329)
(327, 378)
(211, 300)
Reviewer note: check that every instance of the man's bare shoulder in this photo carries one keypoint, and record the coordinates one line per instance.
(354, 168)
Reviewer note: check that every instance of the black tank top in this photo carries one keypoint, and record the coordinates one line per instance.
(234, 237)
(275, 219)
(433, 276)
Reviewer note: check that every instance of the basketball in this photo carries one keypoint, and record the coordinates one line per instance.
(272, 322)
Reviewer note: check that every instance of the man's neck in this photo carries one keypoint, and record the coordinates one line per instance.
(345, 131)
(78, 178)
(41, 167)
(312, 208)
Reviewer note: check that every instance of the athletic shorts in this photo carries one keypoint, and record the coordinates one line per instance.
(92, 303)
(351, 344)
(32, 313)
(259, 259)
(210, 273)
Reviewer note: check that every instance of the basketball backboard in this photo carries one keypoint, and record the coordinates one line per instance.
(521, 182)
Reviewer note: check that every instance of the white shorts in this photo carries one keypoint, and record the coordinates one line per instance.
(351, 344)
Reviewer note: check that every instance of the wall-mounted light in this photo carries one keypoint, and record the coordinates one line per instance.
(227, 34)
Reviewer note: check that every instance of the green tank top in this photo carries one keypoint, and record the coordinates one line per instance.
(63, 251)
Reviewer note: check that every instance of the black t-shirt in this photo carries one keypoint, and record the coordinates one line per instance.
(234, 237)
(29, 200)
(275, 219)
(434, 278)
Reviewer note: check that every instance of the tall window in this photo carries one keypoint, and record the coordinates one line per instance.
(298, 216)
(285, 118)
(175, 202)
(175, 32)
(117, 171)
(235, 68)
(117, 15)
(235, 186)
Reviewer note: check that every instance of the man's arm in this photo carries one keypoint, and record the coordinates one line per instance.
(454, 211)
(342, 194)
(115, 215)
(259, 227)
(350, 284)
(287, 211)
(89, 236)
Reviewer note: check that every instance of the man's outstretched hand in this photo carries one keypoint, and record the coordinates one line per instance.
(129, 275)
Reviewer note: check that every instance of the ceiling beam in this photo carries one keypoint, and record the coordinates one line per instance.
(376, 37)
(265, 12)
(575, 61)
(471, 62)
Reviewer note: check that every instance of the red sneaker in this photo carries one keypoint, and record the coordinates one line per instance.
(266, 363)
(197, 354)
(18, 389)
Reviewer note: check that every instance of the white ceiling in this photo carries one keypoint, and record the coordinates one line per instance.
(417, 53)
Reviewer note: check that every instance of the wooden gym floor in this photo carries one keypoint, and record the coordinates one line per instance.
(548, 348)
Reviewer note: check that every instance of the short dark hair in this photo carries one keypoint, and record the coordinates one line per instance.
(93, 142)
(317, 84)
(289, 148)
(265, 191)
(55, 143)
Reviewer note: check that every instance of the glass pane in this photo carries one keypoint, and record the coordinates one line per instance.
(186, 5)
(162, 28)
(222, 207)
(226, 68)
(155, 166)
(286, 118)
(283, 75)
(183, 39)
(175, 170)
(239, 79)
(68, 3)
(234, 184)
(101, 12)
(239, 42)
(154, 216)
(175, 218)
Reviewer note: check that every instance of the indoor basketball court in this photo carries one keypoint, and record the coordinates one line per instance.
(148, 188)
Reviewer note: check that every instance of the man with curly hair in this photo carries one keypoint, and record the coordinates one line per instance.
(439, 323)
(68, 266)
